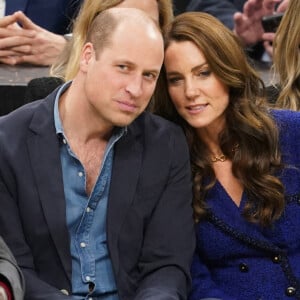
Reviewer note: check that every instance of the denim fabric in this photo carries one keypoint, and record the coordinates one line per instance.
(92, 273)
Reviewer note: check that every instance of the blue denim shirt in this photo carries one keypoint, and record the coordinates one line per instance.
(92, 273)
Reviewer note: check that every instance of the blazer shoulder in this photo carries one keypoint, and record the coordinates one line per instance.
(19, 120)
(155, 127)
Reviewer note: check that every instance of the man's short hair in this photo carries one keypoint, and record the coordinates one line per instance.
(101, 30)
(106, 22)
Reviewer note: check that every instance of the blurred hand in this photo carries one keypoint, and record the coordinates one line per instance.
(268, 37)
(283, 6)
(248, 23)
(28, 43)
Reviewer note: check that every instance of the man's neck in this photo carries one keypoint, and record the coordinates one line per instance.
(77, 122)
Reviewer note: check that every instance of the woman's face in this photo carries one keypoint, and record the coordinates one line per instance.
(150, 7)
(198, 95)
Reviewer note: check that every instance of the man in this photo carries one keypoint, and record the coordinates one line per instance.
(31, 31)
(95, 193)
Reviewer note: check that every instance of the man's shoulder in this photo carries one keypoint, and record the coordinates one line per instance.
(152, 120)
(148, 122)
(18, 120)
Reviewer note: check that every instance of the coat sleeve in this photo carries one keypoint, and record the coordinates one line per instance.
(12, 232)
(169, 239)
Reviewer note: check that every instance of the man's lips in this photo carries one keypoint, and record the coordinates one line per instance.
(127, 105)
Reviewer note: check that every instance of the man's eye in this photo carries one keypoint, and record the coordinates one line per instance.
(150, 75)
(123, 67)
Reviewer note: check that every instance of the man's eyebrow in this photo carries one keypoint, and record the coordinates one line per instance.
(132, 64)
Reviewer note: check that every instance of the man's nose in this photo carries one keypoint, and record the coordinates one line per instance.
(135, 86)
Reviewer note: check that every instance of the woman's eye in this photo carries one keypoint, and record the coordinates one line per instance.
(173, 80)
(204, 73)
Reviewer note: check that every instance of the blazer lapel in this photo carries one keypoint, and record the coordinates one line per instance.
(231, 221)
(43, 148)
(125, 174)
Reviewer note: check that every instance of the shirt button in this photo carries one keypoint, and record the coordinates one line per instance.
(82, 245)
(244, 267)
(65, 292)
(88, 209)
(87, 278)
(276, 259)
(80, 174)
(64, 141)
(290, 291)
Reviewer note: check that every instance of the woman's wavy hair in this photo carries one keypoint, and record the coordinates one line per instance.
(286, 61)
(67, 64)
(250, 129)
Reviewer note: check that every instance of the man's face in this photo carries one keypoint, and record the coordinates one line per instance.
(120, 80)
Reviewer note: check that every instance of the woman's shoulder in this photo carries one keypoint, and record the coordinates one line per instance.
(288, 123)
(286, 118)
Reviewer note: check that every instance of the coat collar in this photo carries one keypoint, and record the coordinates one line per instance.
(43, 148)
(228, 217)
(125, 174)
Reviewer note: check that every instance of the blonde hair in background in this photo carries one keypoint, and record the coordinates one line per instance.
(286, 60)
(67, 65)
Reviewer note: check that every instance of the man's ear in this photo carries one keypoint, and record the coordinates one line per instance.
(87, 54)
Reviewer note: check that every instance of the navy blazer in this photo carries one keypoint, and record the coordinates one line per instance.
(53, 15)
(150, 229)
(239, 260)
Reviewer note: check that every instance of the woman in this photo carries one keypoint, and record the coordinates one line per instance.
(67, 66)
(287, 58)
(244, 161)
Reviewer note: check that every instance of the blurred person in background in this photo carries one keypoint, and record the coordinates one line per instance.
(67, 63)
(12, 285)
(244, 18)
(286, 61)
(32, 31)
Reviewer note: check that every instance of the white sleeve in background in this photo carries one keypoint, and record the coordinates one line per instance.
(2, 8)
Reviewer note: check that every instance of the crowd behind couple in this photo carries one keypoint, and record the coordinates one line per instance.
(157, 169)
